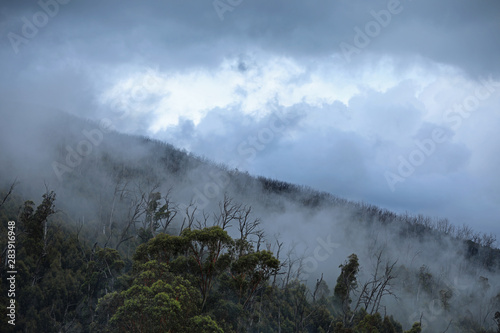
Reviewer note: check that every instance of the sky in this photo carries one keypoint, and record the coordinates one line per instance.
(394, 103)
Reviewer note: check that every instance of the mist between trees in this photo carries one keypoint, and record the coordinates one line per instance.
(119, 241)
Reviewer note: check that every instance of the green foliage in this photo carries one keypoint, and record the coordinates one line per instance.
(199, 281)
(34, 223)
(165, 305)
(375, 324)
(50, 265)
(416, 328)
(339, 328)
(170, 301)
(370, 324)
(249, 271)
(203, 324)
(209, 249)
(346, 283)
(206, 258)
(101, 273)
(163, 248)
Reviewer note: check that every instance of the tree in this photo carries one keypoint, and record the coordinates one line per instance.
(370, 323)
(50, 266)
(9, 192)
(416, 328)
(101, 271)
(377, 287)
(346, 283)
(160, 212)
(162, 248)
(250, 271)
(209, 249)
(35, 226)
(171, 304)
(35, 223)
(203, 324)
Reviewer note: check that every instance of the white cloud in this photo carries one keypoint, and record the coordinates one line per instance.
(249, 84)
(353, 125)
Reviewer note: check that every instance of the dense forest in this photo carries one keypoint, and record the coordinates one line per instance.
(135, 235)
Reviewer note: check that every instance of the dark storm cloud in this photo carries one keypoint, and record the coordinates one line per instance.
(174, 33)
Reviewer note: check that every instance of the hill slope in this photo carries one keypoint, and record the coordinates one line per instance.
(111, 185)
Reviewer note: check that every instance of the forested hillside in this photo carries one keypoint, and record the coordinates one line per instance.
(119, 233)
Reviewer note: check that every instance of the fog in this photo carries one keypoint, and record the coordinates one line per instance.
(384, 114)
(99, 176)
(206, 79)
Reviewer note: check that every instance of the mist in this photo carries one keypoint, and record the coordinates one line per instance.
(100, 175)
(367, 128)
(206, 81)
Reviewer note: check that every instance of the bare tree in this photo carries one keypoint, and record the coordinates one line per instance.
(172, 210)
(279, 245)
(316, 288)
(118, 194)
(136, 201)
(489, 239)
(464, 232)
(445, 227)
(202, 222)
(289, 264)
(260, 239)
(373, 290)
(228, 211)
(187, 222)
(9, 192)
(247, 226)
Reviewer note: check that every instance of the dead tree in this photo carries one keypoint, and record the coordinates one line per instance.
(373, 290)
(9, 192)
(228, 212)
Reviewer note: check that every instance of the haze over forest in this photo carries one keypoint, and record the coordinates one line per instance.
(337, 128)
